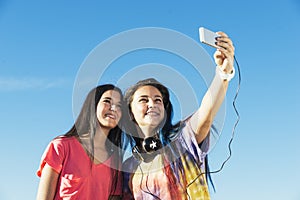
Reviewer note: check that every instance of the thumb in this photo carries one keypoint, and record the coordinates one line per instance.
(219, 57)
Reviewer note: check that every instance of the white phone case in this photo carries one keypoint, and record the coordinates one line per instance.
(208, 37)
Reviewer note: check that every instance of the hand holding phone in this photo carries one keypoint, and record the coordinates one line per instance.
(208, 37)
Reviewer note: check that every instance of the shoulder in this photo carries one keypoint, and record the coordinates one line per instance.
(62, 140)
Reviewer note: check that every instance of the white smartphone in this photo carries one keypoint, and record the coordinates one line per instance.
(208, 37)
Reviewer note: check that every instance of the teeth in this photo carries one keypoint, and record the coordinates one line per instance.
(152, 113)
(110, 116)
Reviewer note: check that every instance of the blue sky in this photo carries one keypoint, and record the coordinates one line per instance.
(43, 46)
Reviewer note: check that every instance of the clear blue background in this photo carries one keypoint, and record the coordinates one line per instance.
(43, 44)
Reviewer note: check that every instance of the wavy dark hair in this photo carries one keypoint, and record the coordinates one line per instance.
(87, 122)
(168, 129)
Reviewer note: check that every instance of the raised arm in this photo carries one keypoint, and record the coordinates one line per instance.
(48, 183)
(202, 119)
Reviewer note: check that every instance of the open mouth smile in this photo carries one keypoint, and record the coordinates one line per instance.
(110, 115)
(152, 113)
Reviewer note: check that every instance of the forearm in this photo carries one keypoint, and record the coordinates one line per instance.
(214, 98)
(211, 102)
(48, 184)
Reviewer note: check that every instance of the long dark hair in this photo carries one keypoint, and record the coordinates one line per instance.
(86, 124)
(168, 129)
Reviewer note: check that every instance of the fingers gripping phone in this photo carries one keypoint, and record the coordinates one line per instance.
(208, 37)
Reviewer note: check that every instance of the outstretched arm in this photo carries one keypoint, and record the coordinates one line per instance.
(202, 119)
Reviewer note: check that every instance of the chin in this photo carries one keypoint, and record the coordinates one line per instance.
(110, 125)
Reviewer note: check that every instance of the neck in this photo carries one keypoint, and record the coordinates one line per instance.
(101, 137)
(147, 131)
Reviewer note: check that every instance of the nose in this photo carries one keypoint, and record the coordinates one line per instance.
(151, 103)
(113, 107)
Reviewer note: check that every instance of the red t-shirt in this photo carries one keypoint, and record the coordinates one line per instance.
(79, 177)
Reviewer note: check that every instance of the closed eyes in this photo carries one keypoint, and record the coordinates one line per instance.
(146, 99)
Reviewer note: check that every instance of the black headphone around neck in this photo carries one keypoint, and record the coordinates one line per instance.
(148, 146)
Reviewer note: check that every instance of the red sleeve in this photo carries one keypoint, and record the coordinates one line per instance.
(53, 156)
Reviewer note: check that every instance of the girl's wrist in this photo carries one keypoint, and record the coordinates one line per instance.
(223, 75)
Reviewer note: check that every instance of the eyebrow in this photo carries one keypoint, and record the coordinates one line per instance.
(148, 96)
(109, 98)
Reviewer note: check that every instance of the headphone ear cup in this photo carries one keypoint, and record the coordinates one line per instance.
(151, 144)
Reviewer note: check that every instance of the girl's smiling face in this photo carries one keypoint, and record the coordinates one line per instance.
(147, 107)
(109, 110)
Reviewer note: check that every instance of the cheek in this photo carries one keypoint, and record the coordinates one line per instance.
(99, 109)
(99, 116)
(139, 110)
(119, 114)
(98, 113)
(163, 111)
(135, 113)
